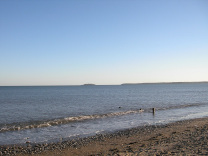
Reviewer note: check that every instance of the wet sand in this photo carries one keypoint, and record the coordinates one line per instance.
(188, 137)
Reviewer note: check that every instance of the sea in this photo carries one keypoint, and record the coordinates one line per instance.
(42, 114)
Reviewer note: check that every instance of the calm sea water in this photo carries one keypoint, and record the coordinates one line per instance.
(44, 114)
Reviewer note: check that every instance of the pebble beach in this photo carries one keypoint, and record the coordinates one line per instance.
(188, 137)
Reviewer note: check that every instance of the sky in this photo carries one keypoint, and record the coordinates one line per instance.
(105, 42)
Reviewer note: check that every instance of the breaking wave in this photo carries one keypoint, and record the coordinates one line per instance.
(40, 124)
(55, 122)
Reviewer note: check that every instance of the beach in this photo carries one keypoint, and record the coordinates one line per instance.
(188, 137)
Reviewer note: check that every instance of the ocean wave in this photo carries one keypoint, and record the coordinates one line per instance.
(55, 122)
(40, 124)
(182, 106)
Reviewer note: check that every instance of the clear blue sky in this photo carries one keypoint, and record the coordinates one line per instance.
(51, 42)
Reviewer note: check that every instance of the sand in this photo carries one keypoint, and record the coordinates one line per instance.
(188, 137)
(181, 138)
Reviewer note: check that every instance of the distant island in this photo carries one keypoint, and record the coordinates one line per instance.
(88, 84)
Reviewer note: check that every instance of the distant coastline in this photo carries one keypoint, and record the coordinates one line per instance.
(162, 83)
(91, 84)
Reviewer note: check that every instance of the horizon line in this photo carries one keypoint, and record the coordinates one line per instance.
(92, 84)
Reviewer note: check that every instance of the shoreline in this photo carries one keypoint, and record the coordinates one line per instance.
(181, 137)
